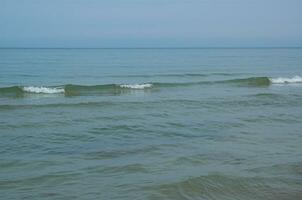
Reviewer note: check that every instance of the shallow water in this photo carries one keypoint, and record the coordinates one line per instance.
(151, 123)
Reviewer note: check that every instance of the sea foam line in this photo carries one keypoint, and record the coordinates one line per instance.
(43, 90)
(281, 80)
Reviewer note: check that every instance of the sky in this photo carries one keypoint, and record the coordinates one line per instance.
(150, 23)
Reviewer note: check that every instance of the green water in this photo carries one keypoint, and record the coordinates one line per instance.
(151, 124)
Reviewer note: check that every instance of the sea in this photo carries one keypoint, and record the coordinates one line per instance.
(167, 123)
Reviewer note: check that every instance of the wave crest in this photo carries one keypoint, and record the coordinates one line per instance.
(136, 86)
(281, 80)
(43, 90)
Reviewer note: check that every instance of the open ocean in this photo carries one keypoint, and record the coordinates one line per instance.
(219, 124)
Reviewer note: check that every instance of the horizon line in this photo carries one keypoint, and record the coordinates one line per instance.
(209, 47)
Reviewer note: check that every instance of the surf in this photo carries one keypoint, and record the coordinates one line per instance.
(113, 89)
(43, 90)
(282, 80)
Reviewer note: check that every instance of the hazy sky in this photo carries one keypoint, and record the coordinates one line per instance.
(150, 23)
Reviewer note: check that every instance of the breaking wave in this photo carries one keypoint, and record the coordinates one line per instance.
(72, 90)
(281, 80)
(137, 86)
(43, 90)
(114, 89)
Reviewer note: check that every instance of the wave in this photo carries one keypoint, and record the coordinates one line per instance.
(253, 81)
(263, 81)
(21, 90)
(43, 90)
(114, 89)
(137, 86)
(72, 90)
(281, 80)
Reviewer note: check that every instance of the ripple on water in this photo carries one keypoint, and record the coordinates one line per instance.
(228, 188)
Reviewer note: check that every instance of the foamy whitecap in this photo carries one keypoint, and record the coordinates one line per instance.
(281, 80)
(43, 90)
(137, 86)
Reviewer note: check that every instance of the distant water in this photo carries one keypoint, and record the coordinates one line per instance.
(219, 124)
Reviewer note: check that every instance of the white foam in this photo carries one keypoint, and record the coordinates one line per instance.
(281, 80)
(43, 90)
(137, 86)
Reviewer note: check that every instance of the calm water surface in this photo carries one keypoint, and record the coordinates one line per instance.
(151, 124)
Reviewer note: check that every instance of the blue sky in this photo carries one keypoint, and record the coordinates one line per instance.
(152, 23)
